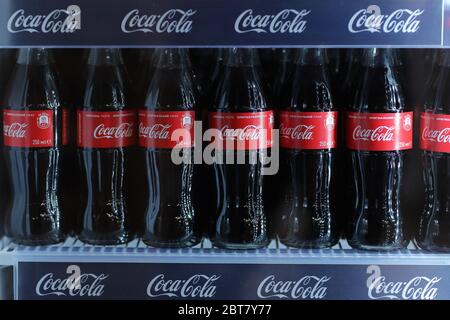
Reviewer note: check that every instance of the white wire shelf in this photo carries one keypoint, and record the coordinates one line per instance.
(136, 251)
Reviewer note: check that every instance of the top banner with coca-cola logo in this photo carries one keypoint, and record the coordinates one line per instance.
(223, 22)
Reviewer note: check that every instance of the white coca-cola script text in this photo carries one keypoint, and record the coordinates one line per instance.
(124, 130)
(89, 285)
(171, 21)
(371, 20)
(285, 21)
(196, 286)
(58, 21)
(307, 287)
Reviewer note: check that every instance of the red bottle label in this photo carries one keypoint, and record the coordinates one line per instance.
(166, 129)
(435, 132)
(243, 130)
(308, 130)
(379, 131)
(107, 129)
(28, 129)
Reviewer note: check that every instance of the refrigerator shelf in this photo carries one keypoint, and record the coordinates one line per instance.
(273, 273)
(136, 251)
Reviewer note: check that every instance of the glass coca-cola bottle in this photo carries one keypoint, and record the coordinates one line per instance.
(281, 97)
(171, 219)
(308, 138)
(33, 137)
(106, 134)
(243, 123)
(379, 129)
(434, 225)
(7, 63)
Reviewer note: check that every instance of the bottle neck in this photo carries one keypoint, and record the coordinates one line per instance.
(220, 57)
(34, 56)
(241, 57)
(104, 57)
(353, 57)
(377, 58)
(444, 60)
(312, 56)
(171, 58)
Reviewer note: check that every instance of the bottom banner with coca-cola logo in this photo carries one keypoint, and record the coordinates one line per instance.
(231, 281)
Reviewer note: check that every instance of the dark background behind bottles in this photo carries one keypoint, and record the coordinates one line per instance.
(70, 63)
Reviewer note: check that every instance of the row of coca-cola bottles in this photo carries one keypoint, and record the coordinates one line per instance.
(87, 147)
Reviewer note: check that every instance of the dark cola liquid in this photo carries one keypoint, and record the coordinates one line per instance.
(7, 62)
(281, 96)
(306, 199)
(171, 217)
(105, 217)
(33, 209)
(434, 223)
(241, 219)
(376, 177)
(71, 67)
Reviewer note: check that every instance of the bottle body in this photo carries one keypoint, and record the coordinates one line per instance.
(7, 60)
(378, 135)
(33, 149)
(240, 114)
(308, 138)
(171, 218)
(434, 232)
(434, 224)
(106, 135)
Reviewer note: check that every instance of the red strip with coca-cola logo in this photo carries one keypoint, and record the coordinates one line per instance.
(308, 130)
(106, 129)
(435, 132)
(379, 131)
(243, 130)
(166, 129)
(28, 129)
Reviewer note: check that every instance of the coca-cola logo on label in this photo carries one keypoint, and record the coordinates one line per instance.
(371, 20)
(299, 132)
(57, 21)
(442, 136)
(285, 21)
(307, 287)
(156, 131)
(86, 285)
(15, 130)
(124, 130)
(381, 133)
(196, 286)
(171, 21)
(250, 132)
